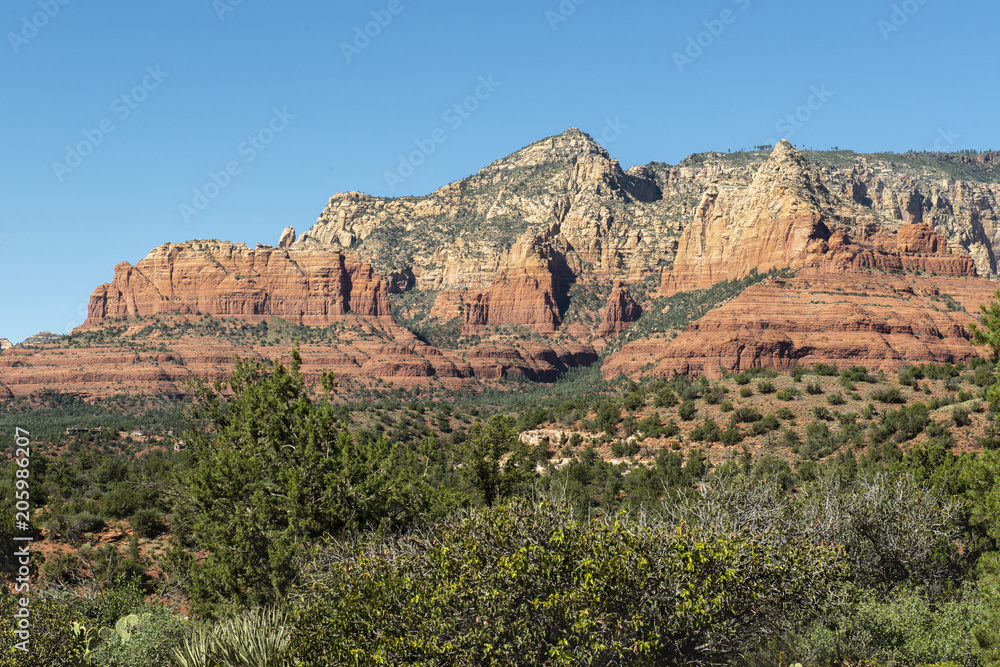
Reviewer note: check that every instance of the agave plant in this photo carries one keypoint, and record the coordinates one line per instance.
(251, 639)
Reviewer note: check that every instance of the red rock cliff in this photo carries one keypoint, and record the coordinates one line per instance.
(308, 286)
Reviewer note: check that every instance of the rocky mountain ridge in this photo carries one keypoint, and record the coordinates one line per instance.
(556, 247)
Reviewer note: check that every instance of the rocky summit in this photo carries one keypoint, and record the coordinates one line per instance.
(555, 257)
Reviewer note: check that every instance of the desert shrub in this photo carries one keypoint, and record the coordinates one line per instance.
(666, 399)
(907, 628)
(826, 369)
(687, 411)
(623, 448)
(150, 642)
(765, 425)
(742, 379)
(744, 415)
(252, 638)
(784, 414)
(887, 395)
(814, 389)
(746, 392)
(147, 523)
(707, 431)
(961, 417)
(52, 642)
(765, 387)
(822, 412)
(732, 436)
(527, 584)
(786, 395)
(726, 406)
(836, 399)
(714, 395)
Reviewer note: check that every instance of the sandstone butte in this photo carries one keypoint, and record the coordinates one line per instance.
(543, 258)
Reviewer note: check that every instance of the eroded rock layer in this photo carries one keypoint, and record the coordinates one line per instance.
(222, 279)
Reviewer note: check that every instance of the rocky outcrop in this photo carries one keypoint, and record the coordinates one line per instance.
(619, 312)
(5, 344)
(314, 287)
(5, 393)
(879, 320)
(287, 238)
(40, 338)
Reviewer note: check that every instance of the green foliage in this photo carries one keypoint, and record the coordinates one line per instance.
(887, 395)
(250, 639)
(765, 387)
(687, 411)
(527, 584)
(275, 471)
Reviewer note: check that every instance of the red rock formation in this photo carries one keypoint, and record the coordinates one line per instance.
(767, 226)
(315, 287)
(525, 297)
(621, 311)
(876, 320)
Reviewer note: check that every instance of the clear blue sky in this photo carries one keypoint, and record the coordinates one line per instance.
(200, 77)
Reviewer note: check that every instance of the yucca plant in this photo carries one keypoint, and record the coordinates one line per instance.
(251, 639)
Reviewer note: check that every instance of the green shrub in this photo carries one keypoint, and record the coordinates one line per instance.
(836, 399)
(784, 414)
(726, 406)
(765, 387)
(252, 638)
(732, 436)
(814, 389)
(687, 411)
(147, 523)
(527, 584)
(746, 392)
(825, 369)
(786, 395)
(887, 395)
(744, 415)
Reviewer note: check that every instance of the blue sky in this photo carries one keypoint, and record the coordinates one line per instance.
(119, 115)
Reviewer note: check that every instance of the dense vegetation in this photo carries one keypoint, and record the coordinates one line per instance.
(823, 516)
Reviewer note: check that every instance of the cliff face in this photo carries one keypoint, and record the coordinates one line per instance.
(520, 268)
(314, 287)
(875, 320)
